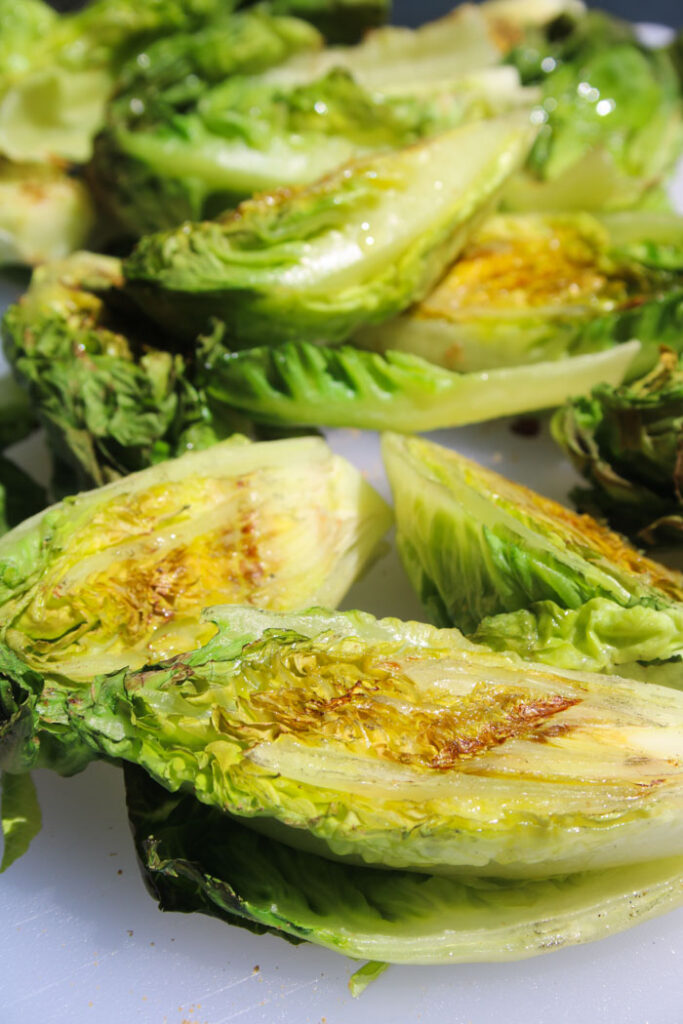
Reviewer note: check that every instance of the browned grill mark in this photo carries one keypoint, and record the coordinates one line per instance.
(434, 738)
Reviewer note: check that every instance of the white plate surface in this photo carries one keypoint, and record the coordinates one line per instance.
(81, 941)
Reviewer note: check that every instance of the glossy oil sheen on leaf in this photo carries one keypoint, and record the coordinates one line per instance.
(530, 288)
(398, 745)
(356, 247)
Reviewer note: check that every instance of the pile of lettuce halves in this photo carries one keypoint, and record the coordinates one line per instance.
(250, 223)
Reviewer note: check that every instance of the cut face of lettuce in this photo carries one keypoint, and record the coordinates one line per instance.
(533, 287)
(302, 383)
(188, 132)
(357, 247)
(112, 399)
(118, 576)
(476, 545)
(397, 745)
(44, 213)
(628, 443)
(195, 858)
(245, 136)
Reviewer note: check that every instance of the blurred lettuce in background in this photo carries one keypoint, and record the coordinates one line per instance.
(628, 443)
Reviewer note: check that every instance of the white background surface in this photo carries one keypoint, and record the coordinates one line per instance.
(81, 941)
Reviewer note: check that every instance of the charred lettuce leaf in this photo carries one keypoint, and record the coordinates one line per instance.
(189, 134)
(245, 136)
(118, 576)
(194, 858)
(397, 745)
(628, 443)
(170, 149)
(315, 264)
(533, 287)
(519, 572)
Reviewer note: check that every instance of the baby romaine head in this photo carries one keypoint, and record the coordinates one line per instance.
(398, 745)
(520, 572)
(118, 576)
(533, 287)
(356, 247)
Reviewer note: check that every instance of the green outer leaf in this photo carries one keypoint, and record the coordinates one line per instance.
(23, 25)
(179, 67)
(299, 383)
(593, 155)
(600, 636)
(21, 817)
(300, 266)
(53, 96)
(155, 164)
(34, 735)
(196, 859)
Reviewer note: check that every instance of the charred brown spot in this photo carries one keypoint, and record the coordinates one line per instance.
(521, 271)
(180, 672)
(517, 720)
(589, 536)
(551, 732)
(251, 567)
(371, 714)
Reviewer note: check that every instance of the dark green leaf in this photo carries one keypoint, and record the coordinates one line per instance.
(628, 443)
(21, 817)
